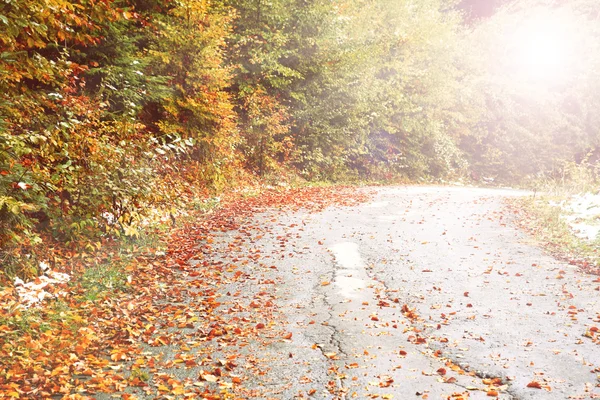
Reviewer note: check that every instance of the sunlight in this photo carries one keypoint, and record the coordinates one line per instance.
(544, 47)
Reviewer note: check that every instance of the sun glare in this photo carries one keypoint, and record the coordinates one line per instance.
(544, 47)
(543, 50)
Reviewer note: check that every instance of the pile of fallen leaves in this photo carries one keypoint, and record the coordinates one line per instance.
(74, 347)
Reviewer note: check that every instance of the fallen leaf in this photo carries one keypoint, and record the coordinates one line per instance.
(209, 377)
(534, 384)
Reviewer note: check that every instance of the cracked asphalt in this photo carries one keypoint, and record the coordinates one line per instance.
(423, 292)
(419, 293)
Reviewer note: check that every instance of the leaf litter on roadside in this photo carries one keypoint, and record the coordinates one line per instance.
(115, 345)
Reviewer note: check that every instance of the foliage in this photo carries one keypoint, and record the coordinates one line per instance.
(189, 50)
(112, 113)
(267, 144)
(102, 105)
(37, 80)
(382, 105)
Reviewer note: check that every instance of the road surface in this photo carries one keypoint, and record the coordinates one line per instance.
(421, 292)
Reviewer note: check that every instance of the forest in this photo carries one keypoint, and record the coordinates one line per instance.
(113, 109)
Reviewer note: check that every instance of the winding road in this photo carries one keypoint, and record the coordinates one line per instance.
(419, 293)
(422, 292)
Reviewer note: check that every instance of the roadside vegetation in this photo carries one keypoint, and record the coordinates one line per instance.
(564, 215)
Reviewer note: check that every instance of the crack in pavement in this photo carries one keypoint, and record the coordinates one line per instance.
(334, 336)
(424, 257)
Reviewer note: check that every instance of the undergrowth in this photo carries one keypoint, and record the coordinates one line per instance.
(570, 179)
(543, 216)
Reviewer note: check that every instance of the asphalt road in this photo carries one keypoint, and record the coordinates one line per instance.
(423, 292)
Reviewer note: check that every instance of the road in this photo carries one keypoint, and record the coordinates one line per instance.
(418, 293)
(422, 292)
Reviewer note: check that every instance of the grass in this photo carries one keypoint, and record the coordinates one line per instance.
(142, 375)
(20, 323)
(572, 178)
(547, 223)
(205, 205)
(101, 280)
(33, 322)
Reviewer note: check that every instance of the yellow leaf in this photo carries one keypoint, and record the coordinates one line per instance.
(178, 390)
